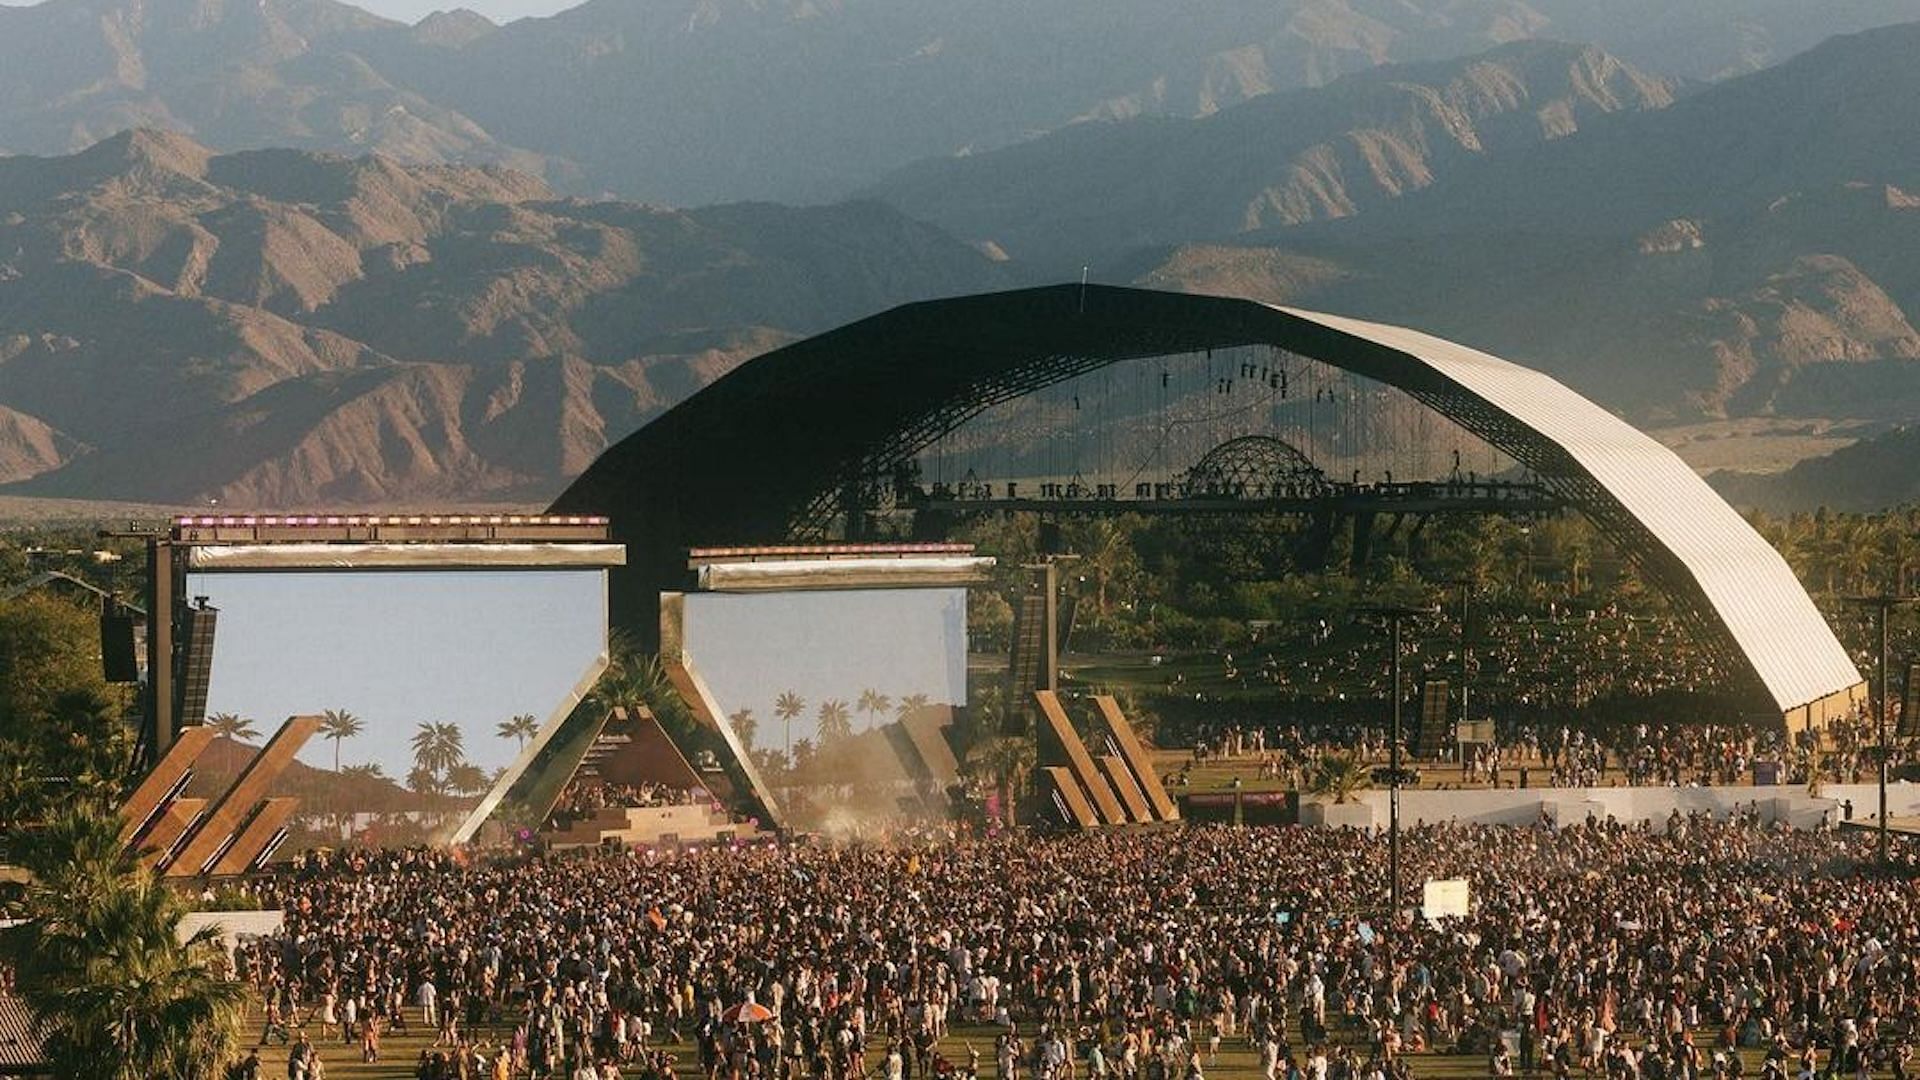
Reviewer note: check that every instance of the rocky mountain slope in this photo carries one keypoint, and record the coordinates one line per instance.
(236, 74)
(1864, 477)
(278, 328)
(699, 101)
(1802, 309)
(1278, 161)
(1741, 250)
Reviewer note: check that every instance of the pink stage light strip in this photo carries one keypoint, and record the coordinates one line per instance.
(801, 551)
(317, 520)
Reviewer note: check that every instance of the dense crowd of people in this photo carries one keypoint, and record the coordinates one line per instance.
(1591, 664)
(1570, 755)
(1519, 661)
(1633, 953)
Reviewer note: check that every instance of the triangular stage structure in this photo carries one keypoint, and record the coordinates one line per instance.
(1120, 787)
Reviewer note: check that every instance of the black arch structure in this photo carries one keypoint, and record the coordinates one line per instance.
(771, 449)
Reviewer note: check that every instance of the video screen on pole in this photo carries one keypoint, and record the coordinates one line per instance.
(844, 699)
(432, 685)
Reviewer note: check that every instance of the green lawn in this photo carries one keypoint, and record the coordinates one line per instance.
(1237, 1060)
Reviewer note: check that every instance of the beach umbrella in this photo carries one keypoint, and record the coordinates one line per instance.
(747, 1012)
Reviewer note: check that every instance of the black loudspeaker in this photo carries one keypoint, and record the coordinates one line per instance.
(119, 655)
(196, 662)
(1051, 540)
(1436, 727)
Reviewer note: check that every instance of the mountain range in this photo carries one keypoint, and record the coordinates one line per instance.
(1739, 249)
(278, 328)
(1868, 476)
(1688, 232)
(699, 101)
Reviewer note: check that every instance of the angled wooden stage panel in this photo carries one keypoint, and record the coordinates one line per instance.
(238, 805)
(1078, 759)
(1121, 734)
(255, 836)
(1124, 786)
(143, 809)
(1081, 811)
(166, 832)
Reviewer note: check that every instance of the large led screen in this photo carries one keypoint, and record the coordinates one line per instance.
(844, 699)
(434, 685)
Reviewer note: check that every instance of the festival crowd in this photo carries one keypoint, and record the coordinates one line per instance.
(1567, 755)
(1634, 953)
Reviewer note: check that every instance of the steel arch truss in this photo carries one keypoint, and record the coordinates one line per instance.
(779, 444)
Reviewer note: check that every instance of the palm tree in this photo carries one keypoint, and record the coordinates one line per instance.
(22, 787)
(368, 771)
(1006, 761)
(339, 725)
(636, 679)
(422, 781)
(1107, 554)
(745, 726)
(802, 756)
(1338, 775)
(439, 747)
(78, 854)
(873, 702)
(468, 779)
(835, 722)
(787, 706)
(131, 997)
(910, 704)
(522, 727)
(93, 753)
(114, 993)
(233, 726)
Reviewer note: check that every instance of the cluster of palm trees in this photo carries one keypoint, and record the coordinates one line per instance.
(115, 993)
(440, 765)
(439, 749)
(834, 718)
(1849, 553)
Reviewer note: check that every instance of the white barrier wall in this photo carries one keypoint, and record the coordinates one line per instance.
(235, 926)
(1570, 806)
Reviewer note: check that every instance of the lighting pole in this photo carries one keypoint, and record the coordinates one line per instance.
(1465, 585)
(1394, 614)
(1881, 605)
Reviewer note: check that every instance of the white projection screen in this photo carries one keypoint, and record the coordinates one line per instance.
(453, 679)
(842, 698)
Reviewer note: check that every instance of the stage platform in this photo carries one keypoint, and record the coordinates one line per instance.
(1896, 824)
(650, 825)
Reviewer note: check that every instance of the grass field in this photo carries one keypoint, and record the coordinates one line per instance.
(1237, 1060)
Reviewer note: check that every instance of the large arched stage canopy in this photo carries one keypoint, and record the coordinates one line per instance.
(775, 441)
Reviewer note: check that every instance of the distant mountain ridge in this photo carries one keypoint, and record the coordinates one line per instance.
(700, 101)
(1867, 476)
(1278, 161)
(279, 328)
(1674, 256)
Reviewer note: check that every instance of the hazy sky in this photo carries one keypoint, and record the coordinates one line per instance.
(398, 648)
(751, 647)
(412, 11)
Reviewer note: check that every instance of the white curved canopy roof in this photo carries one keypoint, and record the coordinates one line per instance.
(1747, 584)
